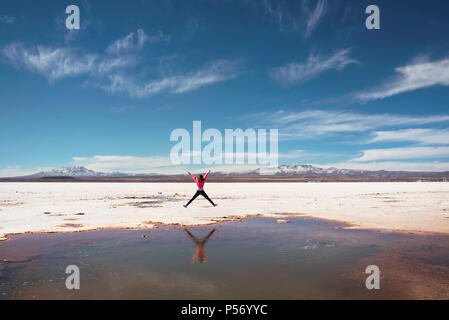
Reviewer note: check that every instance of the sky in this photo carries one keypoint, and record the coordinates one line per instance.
(108, 96)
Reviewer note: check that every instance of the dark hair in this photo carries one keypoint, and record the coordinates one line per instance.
(200, 177)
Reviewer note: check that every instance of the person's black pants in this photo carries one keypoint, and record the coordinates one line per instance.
(200, 192)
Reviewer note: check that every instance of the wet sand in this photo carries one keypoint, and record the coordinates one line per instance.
(255, 258)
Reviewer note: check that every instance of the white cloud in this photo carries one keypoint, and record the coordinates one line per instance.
(313, 123)
(136, 41)
(18, 171)
(54, 63)
(152, 164)
(403, 153)
(423, 136)
(417, 75)
(315, 16)
(59, 63)
(110, 71)
(133, 41)
(393, 166)
(295, 15)
(163, 165)
(131, 164)
(7, 19)
(217, 71)
(300, 72)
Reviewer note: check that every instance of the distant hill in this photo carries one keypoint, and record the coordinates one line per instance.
(281, 173)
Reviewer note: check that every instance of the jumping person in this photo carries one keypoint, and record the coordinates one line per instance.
(200, 180)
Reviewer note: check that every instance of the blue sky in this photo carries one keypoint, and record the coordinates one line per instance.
(107, 96)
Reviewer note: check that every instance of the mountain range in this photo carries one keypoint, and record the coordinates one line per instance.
(283, 172)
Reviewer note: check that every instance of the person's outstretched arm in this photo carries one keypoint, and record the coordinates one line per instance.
(205, 177)
(193, 177)
(191, 235)
(209, 235)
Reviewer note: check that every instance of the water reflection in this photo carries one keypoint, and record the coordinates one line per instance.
(199, 255)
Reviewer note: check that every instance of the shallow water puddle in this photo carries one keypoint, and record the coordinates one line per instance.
(256, 258)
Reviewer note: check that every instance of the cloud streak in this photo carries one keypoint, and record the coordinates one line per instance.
(300, 72)
(403, 153)
(422, 136)
(315, 16)
(315, 123)
(110, 71)
(135, 41)
(420, 166)
(291, 15)
(417, 75)
(217, 71)
(53, 63)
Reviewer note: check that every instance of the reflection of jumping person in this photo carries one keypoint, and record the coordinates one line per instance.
(200, 180)
(200, 255)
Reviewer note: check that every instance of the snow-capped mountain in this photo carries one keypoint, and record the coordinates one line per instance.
(73, 172)
(308, 169)
(282, 171)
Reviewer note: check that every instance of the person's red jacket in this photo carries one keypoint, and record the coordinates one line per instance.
(200, 184)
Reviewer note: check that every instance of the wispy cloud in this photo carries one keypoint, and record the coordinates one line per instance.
(422, 136)
(53, 63)
(421, 166)
(289, 16)
(212, 73)
(135, 41)
(314, 17)
(403, 153)
(417, 75)
(315, 123)
(110, 70)
(274, 10)
(358, 128)
(7, 19)
(299, 72)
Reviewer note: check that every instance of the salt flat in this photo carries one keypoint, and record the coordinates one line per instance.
(69, 207)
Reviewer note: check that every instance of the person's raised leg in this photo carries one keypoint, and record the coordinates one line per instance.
(193, 198)
(207, 197)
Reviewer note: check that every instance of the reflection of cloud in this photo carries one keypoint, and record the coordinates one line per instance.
(298, 72)
(165, 285)
(417, 75)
